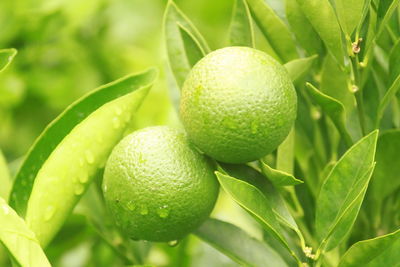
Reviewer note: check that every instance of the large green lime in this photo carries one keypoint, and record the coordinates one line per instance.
(158, 187)
(238, 104)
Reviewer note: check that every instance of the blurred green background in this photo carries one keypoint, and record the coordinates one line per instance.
(69, 47)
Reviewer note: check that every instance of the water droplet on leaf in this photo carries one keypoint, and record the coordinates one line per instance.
(79, 188)
(49, 213)
(89, 156)
(173, 243)
(131, 205)
(116, 123)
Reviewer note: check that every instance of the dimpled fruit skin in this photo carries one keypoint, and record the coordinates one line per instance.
(238, 104)
(157, 186)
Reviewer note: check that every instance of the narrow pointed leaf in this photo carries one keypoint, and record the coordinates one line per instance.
(241, 29)
(343, 190)
(349, 13)
(322, 17)
(6, 56)
(274, 30)
(238, 245)
(55, 132)
(19, 240)
(279, 178)
(390, 93)
(386, 178)
(333, 108)
(183, 42)
(379, 251)
(348, 213)
(305, 34)
(255, 178)
(254, 202)
(298, 68)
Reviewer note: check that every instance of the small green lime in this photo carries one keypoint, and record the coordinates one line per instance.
(238, 104)
(157, 186)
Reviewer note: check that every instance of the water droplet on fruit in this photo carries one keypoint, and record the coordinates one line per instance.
(116, 123)
(79, 188)
(173, 243)
(163, 211)
(49, 213)
(144, 210)
(89, 156)
(131, 205)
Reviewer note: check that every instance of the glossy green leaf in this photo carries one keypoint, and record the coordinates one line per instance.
(274, 30)
(394, 58)
(379, 251)
(183, 42)
(390, 93)
(241, 29)
(255, 203)
(279, 178)
(19, 240)
(285, 153)
(6, 56)
(323, 18)
(255, 178)
(305, 34)
(349, 13)
(52, 143)
(192, 47)
(386, 178)
(342, 192)
(298, 68)
(5, 179)
(238, 245)
(385, 11)
(333, 108)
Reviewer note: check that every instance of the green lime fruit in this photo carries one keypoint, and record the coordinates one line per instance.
(157, 186)
(238, 104)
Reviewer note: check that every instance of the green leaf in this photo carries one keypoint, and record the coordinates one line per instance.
(192, 47)
(305, 34)
(333, 108)
(394, 58)
(241, 31)
(349, 13)
(238, 245)
(279, 178)
(390, 93)
(285, 153)
(19, 240)
(70, 150)
(183, 42)
(343, 191)
(253, 177)
(6, 56)
(255, 203)
(379, 251)
(323, 18)
(386, 180)
(298, 68)
(274, 30)
(5, 180)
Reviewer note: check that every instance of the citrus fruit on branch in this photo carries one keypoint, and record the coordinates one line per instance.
(157, 186)
(238, 104)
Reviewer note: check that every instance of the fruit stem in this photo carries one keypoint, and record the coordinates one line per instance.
(358, 91)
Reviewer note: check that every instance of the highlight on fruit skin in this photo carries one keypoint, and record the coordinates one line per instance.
(157, 186)
(238, 104)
